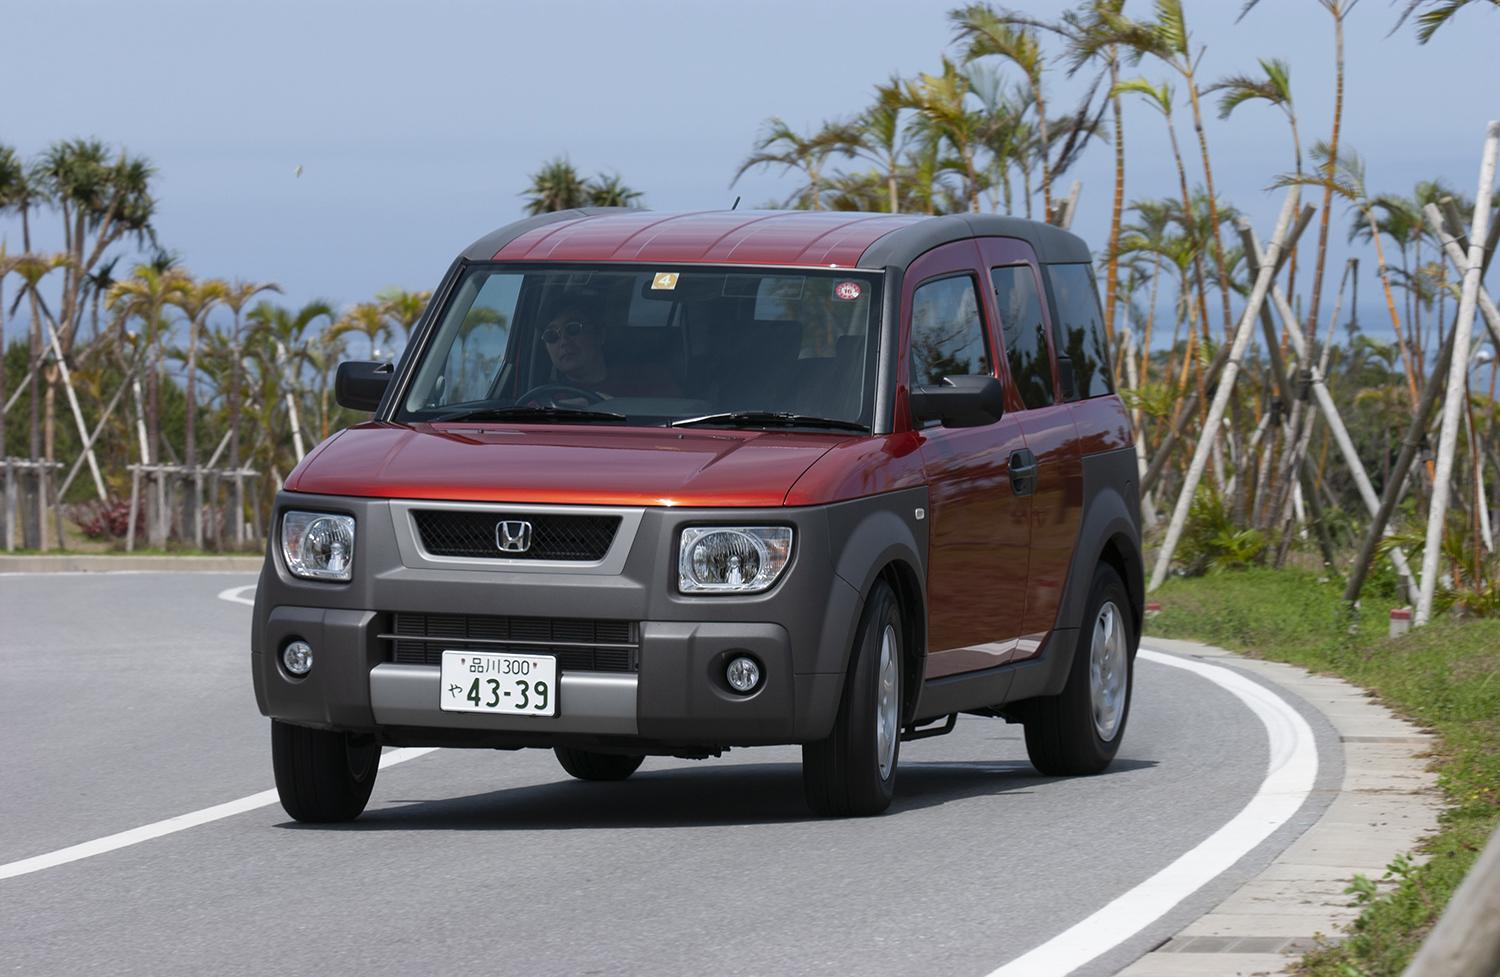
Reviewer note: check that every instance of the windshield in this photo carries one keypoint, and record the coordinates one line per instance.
(651, 345)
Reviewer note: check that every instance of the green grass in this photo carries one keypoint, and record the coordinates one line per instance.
(1445, 677)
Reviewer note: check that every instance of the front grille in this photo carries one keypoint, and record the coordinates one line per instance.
(580, 644)
(451, 532)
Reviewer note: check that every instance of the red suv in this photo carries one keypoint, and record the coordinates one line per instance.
(666, 484)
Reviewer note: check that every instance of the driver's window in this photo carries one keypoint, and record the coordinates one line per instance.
(478, 351)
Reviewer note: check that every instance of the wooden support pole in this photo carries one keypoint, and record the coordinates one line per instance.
(1457, 378)
(135, 500)
(12, 510)
(1279, 242)
(1336, 426)
(1466, 940)
(83, 428)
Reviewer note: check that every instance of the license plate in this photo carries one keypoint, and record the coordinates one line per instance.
(510, 685)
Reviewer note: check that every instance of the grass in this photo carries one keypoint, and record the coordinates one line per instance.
(1445, 677)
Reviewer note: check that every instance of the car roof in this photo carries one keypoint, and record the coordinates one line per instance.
(792, 237)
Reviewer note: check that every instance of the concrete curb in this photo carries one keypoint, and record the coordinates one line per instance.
(1387, 803)
(84, 563)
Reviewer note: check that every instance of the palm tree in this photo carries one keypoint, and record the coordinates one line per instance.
(404, 308)
(146, 295)
(236, 297)
(780, 145)
(196, 299)
(876, 135)
(1166, 38)
(985, 32)
(285, 332)
(1160, 97)
(1439, 12)
(1344, 174)
(556, 186)
(102, 197)
(943, 113)
(1338, 9)
(1274, 88)
(611, 191)
(367, 318)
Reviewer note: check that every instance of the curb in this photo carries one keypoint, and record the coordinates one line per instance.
(83, 563)
(1387, 803)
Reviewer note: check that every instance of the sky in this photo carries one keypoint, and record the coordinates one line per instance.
(415, 125)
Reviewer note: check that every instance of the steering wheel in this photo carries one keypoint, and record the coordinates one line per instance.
(548, 393)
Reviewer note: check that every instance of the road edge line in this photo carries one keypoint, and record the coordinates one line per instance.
(1291, 772)
(172, 825)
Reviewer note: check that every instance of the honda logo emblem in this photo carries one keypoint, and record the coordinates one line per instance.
(513, 536)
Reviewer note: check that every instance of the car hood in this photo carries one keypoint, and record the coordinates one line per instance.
(561, 464)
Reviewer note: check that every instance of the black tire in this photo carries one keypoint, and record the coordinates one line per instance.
(323, 776)
(841, 775)
(587, 765)
(1062, 736)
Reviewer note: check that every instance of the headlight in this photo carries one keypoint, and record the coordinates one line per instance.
(731, 559)
(317, 545)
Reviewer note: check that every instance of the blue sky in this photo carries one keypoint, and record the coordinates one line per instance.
(416, 124)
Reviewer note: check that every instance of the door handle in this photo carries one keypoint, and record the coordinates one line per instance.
(1023, 467)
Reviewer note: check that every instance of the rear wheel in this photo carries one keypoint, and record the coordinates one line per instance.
(587, 765)
(322, 775)
(853, 771)
(1079, 730)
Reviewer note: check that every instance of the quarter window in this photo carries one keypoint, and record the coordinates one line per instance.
(947, 334)
(1078, 332)
(1024, 332)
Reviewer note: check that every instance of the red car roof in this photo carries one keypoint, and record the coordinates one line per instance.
(814, 238)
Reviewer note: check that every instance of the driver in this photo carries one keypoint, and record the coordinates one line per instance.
(575, 343)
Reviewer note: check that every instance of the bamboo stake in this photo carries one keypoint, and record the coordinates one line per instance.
(1461, 265)
(1226, 388)
(12, 511)
(1415, 432)
(135, 497)
(1457, 377)
(1335, 421)
(83, 430)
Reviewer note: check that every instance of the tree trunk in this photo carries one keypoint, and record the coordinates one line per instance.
(1118, 207)
(1311, 326)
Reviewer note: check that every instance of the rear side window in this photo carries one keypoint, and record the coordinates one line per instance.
(1024, 332)
(1078, 332)
(947, 335)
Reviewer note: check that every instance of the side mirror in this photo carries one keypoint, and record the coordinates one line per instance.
(960, 401)
(359, 385)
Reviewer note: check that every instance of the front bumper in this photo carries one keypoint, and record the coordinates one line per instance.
(675, 700)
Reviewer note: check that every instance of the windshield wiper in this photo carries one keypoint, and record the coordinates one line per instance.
(769, 418)
(522, 412)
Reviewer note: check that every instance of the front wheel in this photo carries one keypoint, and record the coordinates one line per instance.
(587, 765)
(1079, 730)
(853, 771)
(321, 775)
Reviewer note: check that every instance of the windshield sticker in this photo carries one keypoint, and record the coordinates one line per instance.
(664, 280)
(848, 291)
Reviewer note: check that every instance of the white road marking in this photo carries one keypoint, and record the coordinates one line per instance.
(235, 595)
(181, 822)
(1289, 779)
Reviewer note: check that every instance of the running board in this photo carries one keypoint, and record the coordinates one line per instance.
(922, 733)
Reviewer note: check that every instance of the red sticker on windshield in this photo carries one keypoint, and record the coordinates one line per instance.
(848, 291)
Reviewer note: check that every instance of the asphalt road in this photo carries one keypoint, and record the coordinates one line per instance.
(125, 699)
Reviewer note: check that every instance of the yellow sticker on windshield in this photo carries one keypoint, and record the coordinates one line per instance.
(664, 280)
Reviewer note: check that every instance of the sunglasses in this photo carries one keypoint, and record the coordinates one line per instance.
(553, 335)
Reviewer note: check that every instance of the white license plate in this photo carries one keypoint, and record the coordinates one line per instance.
(510, 685)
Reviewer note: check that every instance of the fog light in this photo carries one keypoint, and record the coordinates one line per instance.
(743, 674)
(297, 657)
